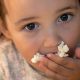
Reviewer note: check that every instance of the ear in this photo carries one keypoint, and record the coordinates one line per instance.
(4, 30)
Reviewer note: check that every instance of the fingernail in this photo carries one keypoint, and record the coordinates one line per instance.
(49, 55)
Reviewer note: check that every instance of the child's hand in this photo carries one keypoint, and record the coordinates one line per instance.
(61, 68)
(77, 52)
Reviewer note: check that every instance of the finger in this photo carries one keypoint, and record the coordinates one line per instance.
(57, 68)
(50, 74)
(77, 52)
(65, 62)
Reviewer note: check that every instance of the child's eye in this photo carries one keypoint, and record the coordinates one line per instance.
(65, 18)
(31, 26)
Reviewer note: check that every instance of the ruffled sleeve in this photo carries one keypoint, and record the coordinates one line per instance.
(1, 74)
(4, 71)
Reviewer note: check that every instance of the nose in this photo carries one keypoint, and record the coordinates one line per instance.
(51, 42)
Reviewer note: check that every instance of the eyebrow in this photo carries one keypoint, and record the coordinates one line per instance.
(35, 17)
(67, 8)
(26, 19)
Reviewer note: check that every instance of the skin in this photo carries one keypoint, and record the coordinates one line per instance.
(49, 31)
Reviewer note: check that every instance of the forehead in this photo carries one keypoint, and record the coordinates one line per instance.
(19, 8)
(37, 4)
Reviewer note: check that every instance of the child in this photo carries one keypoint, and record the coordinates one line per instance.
(32, 26)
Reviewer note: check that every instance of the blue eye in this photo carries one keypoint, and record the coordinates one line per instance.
(31, 26)
(65, 18)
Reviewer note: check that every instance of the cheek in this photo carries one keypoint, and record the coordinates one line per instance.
(27, 47)
(70, 35)
(72, 40)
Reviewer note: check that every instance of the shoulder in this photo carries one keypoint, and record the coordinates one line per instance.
(3, 67)
(4, 61)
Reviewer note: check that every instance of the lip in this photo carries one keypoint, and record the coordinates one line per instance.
(48, 53)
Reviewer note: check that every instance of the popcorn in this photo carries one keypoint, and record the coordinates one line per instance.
(62, 50)
(36, 58)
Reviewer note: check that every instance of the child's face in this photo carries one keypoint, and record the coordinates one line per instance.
(39, 25)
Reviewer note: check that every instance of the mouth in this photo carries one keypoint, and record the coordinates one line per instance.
(48, 53)
(38, 56)
(62, 50)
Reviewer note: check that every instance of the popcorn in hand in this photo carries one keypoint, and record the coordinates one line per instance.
(62, 50)
(36, 58)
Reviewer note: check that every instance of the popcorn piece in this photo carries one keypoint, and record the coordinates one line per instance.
(62, 50)
(36, 58)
